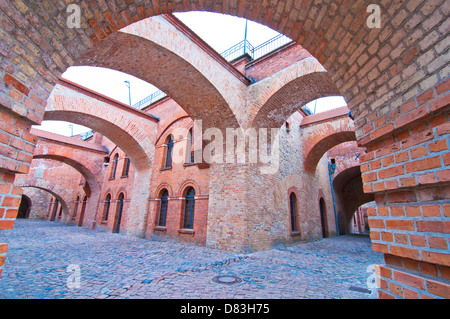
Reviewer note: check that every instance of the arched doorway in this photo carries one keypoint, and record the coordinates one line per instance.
(25, 207)
(75, 208)
(341, 223)
(323, 218)
(55, 207)
(119, 211)
(83, 209)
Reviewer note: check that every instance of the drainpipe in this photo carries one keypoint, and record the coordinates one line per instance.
(331, 169)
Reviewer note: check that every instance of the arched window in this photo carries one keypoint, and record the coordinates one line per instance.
(190, 148)
(107, 206)
(163, 208)
(126, 167)
(120, 202)
(114, 166)
(169, 151)
(189, 208)
(293, 211)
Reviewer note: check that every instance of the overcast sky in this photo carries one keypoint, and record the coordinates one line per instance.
(218, 30)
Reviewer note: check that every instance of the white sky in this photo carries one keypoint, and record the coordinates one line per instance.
(218, 30)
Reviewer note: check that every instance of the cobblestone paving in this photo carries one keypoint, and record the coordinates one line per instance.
(118, 266)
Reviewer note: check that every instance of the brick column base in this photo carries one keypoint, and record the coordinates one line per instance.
(412, 279)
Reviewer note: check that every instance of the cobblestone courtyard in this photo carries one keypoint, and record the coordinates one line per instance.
(41, 254)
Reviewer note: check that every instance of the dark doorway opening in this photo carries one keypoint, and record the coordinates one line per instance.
(323, 218)
(24, 208)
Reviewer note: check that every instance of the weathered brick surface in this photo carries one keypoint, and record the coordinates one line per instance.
(394, 78)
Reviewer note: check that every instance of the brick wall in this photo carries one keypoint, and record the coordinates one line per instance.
(384, 74)
(275, 61)
(176, 180)
(407, 169)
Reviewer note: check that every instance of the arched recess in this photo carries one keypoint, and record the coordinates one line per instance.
(25, 207)
(273, 102)
(131, 130)
(175, 64)
(64, 197)
(348, 187)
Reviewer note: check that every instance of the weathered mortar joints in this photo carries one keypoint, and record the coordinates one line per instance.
(394, 78)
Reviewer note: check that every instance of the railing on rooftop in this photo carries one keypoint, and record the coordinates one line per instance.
(155, 96)
(237, 50)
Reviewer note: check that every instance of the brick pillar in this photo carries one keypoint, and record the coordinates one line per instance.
(20, 107)
(16, 148)
(407, 168)
(138, 208)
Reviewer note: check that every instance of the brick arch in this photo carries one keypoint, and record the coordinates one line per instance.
(294, 87)
(334, 32)
(164, 129)
(132, 131)
(60, 193)
(124, 192)
(165, 57)
(185, 185)
(108, 191)
(162, 186)
(83, 161)
(74, 158)
(322, 138)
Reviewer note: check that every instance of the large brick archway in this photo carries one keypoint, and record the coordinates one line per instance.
(164, 55)
(394, 78)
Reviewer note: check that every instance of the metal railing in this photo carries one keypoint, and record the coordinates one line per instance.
(237, 50)
(270, 45)
(155, 96)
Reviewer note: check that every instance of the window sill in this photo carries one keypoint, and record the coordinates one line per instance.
(189, 164)
(295, 233)
(186, 231)
(111, 178)
(124, 176)
(165, 168)
(160, 228)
